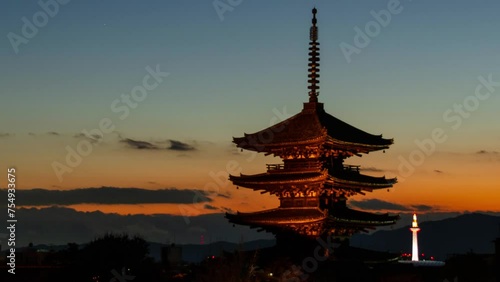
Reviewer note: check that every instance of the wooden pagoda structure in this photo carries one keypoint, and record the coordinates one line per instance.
(312, 182)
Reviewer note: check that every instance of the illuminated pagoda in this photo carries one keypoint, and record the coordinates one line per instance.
(312, 183)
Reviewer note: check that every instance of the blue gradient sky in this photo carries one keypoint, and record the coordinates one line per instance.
(227, 76)
(92, 51)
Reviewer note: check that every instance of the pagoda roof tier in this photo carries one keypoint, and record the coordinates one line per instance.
(334, 218)
(279, 216)
(277, 179)
(274, 180)
(351, 217)
(313, 126)
(350, 180)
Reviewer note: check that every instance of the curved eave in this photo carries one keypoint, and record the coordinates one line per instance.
(278, 216)
(248, 142)
(352, 184)
(359, 147)
(259, 181)
(365, 182)
(356, 218)
(348, 134)
(357, 222)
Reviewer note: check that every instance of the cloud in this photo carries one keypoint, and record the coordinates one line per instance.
(422, 208)
(492, 156)
(371, 169)
(484, 152)
(93, 138)
(53, 133)
(141, 145)
(108, 195)
(228, 210)
(438, 171)
(3, 134)
(175, 145)
(227, 195)
(375, 204)
(210, 207)
(179, 146)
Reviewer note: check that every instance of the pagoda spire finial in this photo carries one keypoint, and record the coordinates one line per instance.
(313, 60)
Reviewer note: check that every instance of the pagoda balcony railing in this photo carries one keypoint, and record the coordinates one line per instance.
(351, 168)
(275, 166)
(306, 166)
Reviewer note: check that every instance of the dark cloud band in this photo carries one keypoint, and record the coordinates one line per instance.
(108, 195)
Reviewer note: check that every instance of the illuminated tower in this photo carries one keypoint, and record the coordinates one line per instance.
(414, 229)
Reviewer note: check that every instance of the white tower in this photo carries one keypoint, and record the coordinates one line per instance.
(414, 229)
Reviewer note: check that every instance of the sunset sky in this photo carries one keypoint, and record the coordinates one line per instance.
(430, 71)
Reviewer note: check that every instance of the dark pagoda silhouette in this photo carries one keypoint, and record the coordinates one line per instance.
(312, 183)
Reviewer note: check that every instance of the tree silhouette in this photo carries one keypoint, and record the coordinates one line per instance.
(112, 255)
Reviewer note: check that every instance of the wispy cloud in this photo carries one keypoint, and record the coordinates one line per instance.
(210, 207)
(485, 155)
(180, 146)
(484, 152)
(175, 145)
(93, 138)
(371, 169)
(3, 134)
(138, 144)
(228, 210)
(227, 195)
(53, 133)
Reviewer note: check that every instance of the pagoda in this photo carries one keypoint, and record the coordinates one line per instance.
(312, 182)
